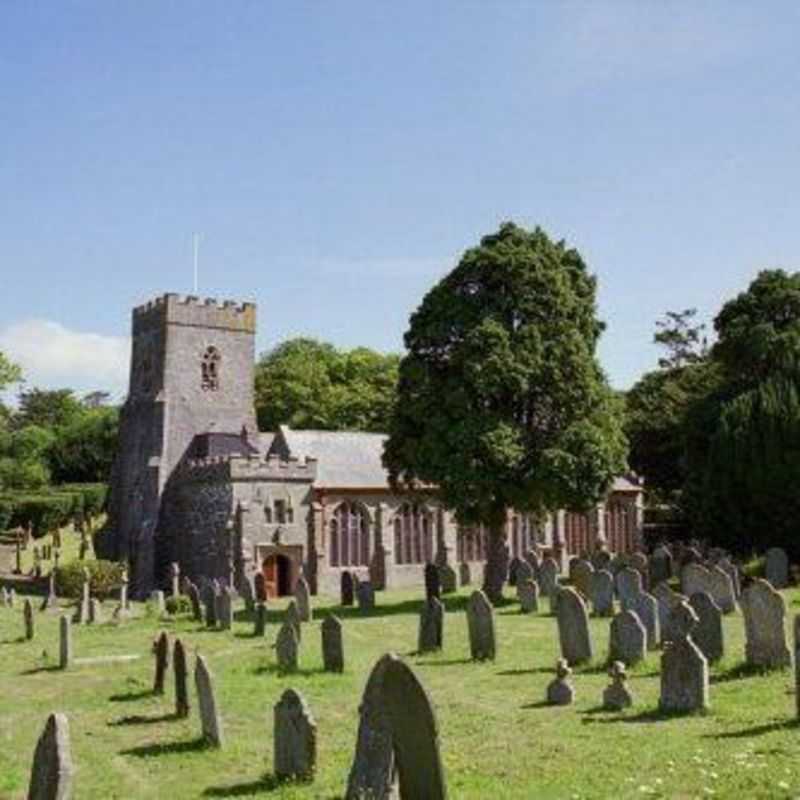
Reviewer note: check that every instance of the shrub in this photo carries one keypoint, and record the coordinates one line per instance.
(104, 577)
(178, 605)
(44, 512)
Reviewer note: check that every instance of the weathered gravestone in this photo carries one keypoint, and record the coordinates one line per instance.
(776, 567)
(660, 565)
(512, 571)
(694, 578)
(210, 721)
(464, 574)
(560, 691)
(601, 559)
(64, 642)
(573, 627)
(260, 587)
(720, 587)
(224, 604)
(52, 773)
(732, 571)
(180, 672)
(629, 584)
(246, 592)
(684, 669)
(292, 616)
(447, 579)
(528, 595)
(548, 576)
(552, 601)
(161, 650)
(332, 644)
(397, 750)
(210, 605)
(764, 612)
(627, 641)
(302, 595)
(346, 589)
(286, 647)
(532, 558)
(294, 738)
(640, 563)
(646, 608)
(582, 574)
(667, 600)
(707, 635)
(27, 614)
(617, 696)
(366, 596)
(601, 593)
(524, 572)
(51, 600)
(480, 623)
(194, 599)
(431, 626)
(260, 622)
(432, 586)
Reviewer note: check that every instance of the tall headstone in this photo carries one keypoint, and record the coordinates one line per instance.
(573, 627)
(582, 574)
(732, 571)
(397, 750)
(260, 623)
(627, 641)
(480, 622)
(366, 596)
(286, 648)
(246, 591)
(764, 612)
(433, 587)
(346, 589)
(224, 603)
(292, 616)
(194, 599)
(629, 584)
(448, 580)
(660, 565)
(64, 642)
(157, 599)
(707, 635)
(95, 612)
(27, 614)
(210, 605)
(161, 650)
(332, 644)
(667, 600)
(302, 595)
(260, 587)
(602, 593)
(548, 576)
(464, 574)
(51, 600)
(776, 567)
(528, 595)
(684, 669)
(431, 626)
(294, 738)
(646, 608)
(617, 696)
(180, 672)
(560, 691)
(210, 721)
(720, 587)
(53, 772)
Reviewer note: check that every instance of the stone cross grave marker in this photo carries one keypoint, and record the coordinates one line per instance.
(617, 696)
(560, 691)
(684, 669)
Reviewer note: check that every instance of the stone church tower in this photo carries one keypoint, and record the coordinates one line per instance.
(191, 381)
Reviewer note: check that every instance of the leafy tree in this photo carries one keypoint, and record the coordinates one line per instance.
(501, 401)
(48, 408)
(23, 457)
(84, 448)
(305, 383)
(685, 343)
(9, 372)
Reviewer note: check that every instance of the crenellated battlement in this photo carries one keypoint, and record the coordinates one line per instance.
(209, 312)
(242, 468)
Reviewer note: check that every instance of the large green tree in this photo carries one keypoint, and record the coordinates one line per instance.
(305, 383)
(501, 402)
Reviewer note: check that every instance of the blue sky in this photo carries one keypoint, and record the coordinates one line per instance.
(339, 156)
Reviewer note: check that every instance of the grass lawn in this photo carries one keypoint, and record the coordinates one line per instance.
(498, 739)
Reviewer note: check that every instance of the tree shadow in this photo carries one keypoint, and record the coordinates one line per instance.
(269, 783)
(35, 670)
(742, 671)
(758, 730)
(137, 719)
(538, 704)
(161, 749)
(131, 696)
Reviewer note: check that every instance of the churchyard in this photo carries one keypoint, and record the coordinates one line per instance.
(498, 735)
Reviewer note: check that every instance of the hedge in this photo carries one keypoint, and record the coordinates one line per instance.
(104, 577)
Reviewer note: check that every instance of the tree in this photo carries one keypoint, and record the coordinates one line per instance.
(9, 372)
(48, 408)
(84, 448)
(305, 383)
(501, 401)
(685, 343)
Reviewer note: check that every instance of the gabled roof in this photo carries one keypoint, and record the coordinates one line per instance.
(345, 459)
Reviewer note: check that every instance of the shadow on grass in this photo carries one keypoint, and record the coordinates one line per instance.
(137, 719)
(532, 671)
(131, 696)
(539, 704)
(35, 670)
(269, 783)
(741, 671)
(646, 716)
(161, 749)
(449, 662)
(758, 730)
(274, 669)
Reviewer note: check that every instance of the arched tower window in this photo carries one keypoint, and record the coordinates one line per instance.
(210, 370)
(349, 536)
(413, 535)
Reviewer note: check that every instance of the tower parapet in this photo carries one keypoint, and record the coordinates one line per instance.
(192, 311)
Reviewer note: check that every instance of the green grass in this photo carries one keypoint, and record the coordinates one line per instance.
(498, 739)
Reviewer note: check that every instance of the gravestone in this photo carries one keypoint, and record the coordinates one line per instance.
(447, 579)
(646, 608)
(294, 738)
(707, 635)
(64, 642)
(431, 626)
(175, 578)
(525, 572)
(764, 611)
(161, 650)
(464, 574)
(302, 596)
(397, 749)
(210, 721)
(512, 571)
(286, 647)
(480, 622)
(732, 571)
(684, 669)
(533, 560)
(629, 584)
(181, 674)
(432, 586)
(157, 598)
(660, 565)
(720, 587)
(528, 595)
(617, 696)
(194, 599)
(560, 691)
(246, 592)
(601, 559)
(667, 600)
(260, 623)
(640, 563)
(52, 773)
(552, 601)
(366, 596)
(346, 589)
(82, 613)
(602, 593)
(548, 576)
(776, 567)
(51, 600)
(260, 587)
(27, 614)
(627, 641)
(95, 612)
(224, 608)
(332, 644)
(573, 627)
(694, 578)
(292, 616)
(582, 574)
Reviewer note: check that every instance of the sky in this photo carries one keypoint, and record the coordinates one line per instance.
(338, 157)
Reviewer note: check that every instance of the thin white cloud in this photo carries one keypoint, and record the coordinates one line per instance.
(54, 357)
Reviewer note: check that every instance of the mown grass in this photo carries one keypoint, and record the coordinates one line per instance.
(498, 739)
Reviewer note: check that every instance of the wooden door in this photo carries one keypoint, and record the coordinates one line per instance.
(271, 576)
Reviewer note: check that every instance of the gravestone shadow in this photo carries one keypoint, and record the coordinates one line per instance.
(167, 748)
(757, 730)
(138, 719)
(269, 783)
(128, 697)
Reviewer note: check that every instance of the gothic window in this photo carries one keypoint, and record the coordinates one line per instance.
(349, 536)
(471, 543)
(210, 370)
(413, 535)
(284, 514)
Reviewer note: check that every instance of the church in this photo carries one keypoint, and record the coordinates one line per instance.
(196, 483)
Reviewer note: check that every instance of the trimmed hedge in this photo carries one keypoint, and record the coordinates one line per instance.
(54, 508)
(104, 577)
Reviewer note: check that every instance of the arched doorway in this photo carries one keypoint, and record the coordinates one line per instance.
(277, 571)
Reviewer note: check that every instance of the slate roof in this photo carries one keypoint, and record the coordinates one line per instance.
(220, 445)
